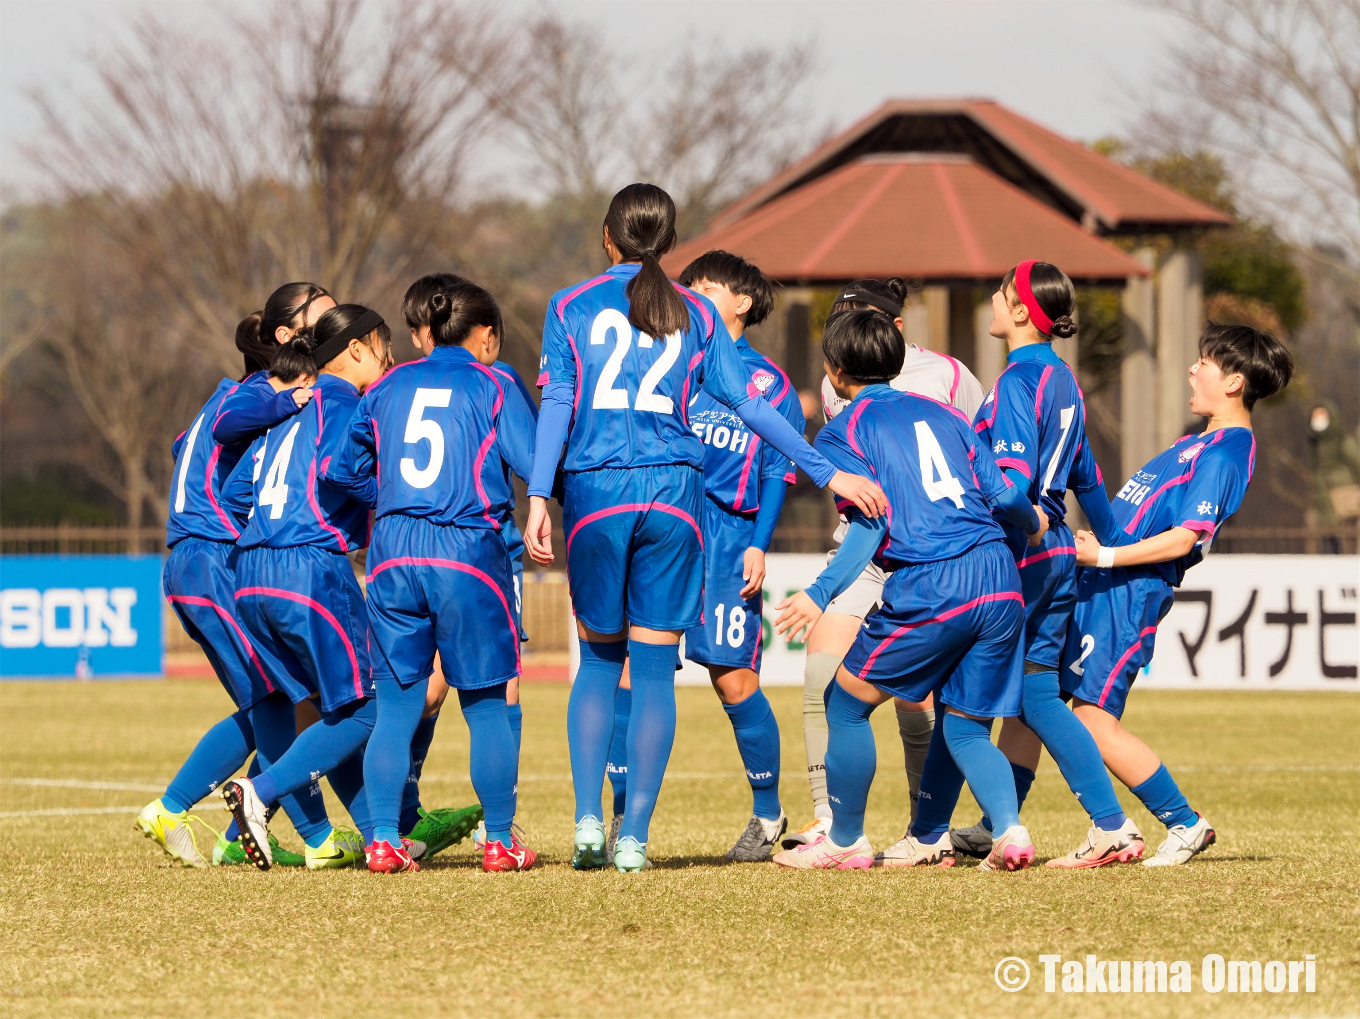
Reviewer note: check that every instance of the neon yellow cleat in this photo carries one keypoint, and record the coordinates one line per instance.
(342, 848)
(170, 832)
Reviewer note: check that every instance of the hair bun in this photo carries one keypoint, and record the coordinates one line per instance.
(1064, 327)
(898, 286)
(441, 308)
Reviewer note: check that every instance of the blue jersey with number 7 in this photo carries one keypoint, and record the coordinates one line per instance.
(432, 439)
(936, 473)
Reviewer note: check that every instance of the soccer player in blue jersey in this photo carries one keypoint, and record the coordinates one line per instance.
(623, 354)
(952, 613)
(200, 585)
(1166, 516)
(428, 447)
(1034, 422)
(296, 590)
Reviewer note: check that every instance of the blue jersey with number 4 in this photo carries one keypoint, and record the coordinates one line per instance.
(432, 439)
(283, 482)
(736, 460)
(936, 473)
(630, 392)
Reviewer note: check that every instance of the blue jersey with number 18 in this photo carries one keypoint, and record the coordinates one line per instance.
(432, 437)
(936, 473)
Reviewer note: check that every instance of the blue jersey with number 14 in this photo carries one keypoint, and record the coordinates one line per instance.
(936, 473)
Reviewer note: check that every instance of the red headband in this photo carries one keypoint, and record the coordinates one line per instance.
(1036, 314)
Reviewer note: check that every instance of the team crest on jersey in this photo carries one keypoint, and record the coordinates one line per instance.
(1189, 454)
(990, 397)
(763, 381)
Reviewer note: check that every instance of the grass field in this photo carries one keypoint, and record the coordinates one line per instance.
(96, 922)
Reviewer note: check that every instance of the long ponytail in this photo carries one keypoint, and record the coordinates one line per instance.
(641, 224)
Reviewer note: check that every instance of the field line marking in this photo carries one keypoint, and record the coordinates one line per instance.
(68, 812)
(77, 783)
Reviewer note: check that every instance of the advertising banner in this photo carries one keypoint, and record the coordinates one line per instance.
(81, 617)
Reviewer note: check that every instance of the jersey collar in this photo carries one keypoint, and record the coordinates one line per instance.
(328, 381)
(875, 391)
(625, 269)
(1041, 352)
(454, 353)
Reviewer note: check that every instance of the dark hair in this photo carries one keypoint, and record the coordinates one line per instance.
(294, 358)
(1265, 362)
(886, 296)
(455, 311)
(255, 335)
(415, 306)
(1056, 295)
(738, 276)
(641, 223)
(333, 325)
(865, 344)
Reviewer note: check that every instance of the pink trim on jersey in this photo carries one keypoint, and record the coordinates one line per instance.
(220, 415)
(684, 392)
(377, 451)
(208, 490)
(850, 431)
(581, 289)
(791, 477)
(958, 377)
(1251, 459)
(576, 397)
(1123, 660)
(1019, 465)
(698, 303)
(1183, 479)
(1039, 557)
(329, 528)
(485, 448)
(325, 613)
(189, 599)
(454, 564)
(1207, 526)
(958, 610)
(746, 471)
(635, 507)
(385, 375)
(1039, 393)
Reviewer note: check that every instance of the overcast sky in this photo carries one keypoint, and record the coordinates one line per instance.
(1075, 65)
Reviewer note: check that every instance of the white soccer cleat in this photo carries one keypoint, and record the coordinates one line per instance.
(1182, 843)
(252, 818)
(909, 851)
(819, 825)
(1013, 849)
(1123, 845)
(823, 854)
(975, 841)
(171, 832)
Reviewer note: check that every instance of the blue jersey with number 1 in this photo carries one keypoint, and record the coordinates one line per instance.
(202, 467)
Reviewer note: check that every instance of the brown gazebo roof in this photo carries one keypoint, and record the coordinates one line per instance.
(934, 217)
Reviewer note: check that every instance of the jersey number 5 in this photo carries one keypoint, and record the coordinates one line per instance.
(607, 397)
(418, 429)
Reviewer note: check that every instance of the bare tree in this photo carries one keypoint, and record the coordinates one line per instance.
(1275, 86)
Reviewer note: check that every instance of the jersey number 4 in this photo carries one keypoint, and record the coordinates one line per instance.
(607, 397)
(935, 477)
(274, 494)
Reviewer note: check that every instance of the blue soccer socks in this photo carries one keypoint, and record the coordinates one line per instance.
(347, 779)
(516, 715)
(851, 760)
(387, 760)
(1164, 799)
(1024, 779)
(218, 756)
(590, 720)
(493, 758)
(985, 767)
(1072, 746)
(410, 794)
(941, 783)
(757, 735)
(651, 733)
(616, 766)
(275, 724)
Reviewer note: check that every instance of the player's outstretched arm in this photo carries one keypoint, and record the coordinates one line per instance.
(1160, 548)
(801, 610)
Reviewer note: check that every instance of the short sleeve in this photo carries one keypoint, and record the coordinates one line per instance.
(986, 468)
(557, 363)
(1214, 491)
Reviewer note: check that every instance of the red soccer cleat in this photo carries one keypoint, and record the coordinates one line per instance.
(517, 857)
(384, 858)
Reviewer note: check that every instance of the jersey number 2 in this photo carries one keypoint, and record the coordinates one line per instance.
(607, 397)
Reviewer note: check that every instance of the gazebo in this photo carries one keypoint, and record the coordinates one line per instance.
(950, 194)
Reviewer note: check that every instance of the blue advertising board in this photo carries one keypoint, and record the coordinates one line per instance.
(83, 617)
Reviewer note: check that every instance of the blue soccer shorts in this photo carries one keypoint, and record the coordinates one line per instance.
(635, 553)
(952, 628)
(200, 583)
(303, 605)
(730, 635)
(1113, 631)
(1048, 580)
(433, 587)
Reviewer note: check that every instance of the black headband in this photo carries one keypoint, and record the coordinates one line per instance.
(870, 298)
(359, 328)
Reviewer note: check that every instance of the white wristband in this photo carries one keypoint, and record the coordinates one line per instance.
(1105, 558)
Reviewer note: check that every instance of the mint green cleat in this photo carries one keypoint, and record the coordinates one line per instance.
(230, 854)
(443, 827)
(588, 851)
(630, 855)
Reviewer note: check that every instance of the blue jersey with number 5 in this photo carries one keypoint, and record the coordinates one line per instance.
(936, 473)
(630, 392)
(432, 439)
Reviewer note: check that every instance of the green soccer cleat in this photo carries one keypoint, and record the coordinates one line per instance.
(443, 827)
(630, 855)
(170, 832)
(588, 845)
(343, 848)
(230, 854)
